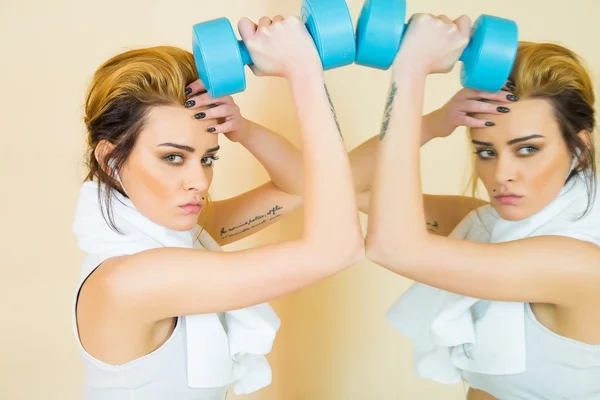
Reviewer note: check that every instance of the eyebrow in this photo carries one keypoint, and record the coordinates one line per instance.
(510, 142)
(188, 148)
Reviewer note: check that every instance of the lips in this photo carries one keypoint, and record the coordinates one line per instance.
(192, 208)
(508, 199)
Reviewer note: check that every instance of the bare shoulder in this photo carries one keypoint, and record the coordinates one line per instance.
(105, 328)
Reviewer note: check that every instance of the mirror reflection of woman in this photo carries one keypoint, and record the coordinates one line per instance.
(506, 295)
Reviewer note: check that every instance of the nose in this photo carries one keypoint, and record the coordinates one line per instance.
(197, 179)
(506, 170)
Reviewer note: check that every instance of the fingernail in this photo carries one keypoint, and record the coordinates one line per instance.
(489, 123)
(188, 90)
(211, 130)
(510, 85)
(512, 97)
(503, 109)
(189, 103)
(200, 115)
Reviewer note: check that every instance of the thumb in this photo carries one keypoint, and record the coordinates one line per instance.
(247, 29)
(464, 25)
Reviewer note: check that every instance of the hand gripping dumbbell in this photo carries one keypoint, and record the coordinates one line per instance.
(487, 60)
(220, 58)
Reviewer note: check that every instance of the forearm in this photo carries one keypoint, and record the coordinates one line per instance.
(396, 215)
(280, 158)
(329, 196)
(362, 157)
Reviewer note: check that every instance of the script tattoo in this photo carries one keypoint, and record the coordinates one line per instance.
(388, 112)
(432, 226)
(333, 112)
(253, 222)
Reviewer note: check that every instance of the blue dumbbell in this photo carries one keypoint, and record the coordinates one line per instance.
(487, 60)
(220, 57)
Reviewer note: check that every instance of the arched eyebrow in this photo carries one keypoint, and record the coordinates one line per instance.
(510, 142)
(189, 149)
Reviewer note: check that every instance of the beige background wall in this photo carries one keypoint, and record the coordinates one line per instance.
(334, 343)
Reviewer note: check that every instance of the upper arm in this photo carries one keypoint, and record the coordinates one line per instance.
(165, 282)
(442, 213)
(238, 217)
(545, 269)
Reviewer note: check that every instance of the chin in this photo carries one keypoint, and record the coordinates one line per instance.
(513, 213)
(186, 223)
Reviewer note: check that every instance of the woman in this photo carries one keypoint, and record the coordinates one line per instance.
(509, 302)
(156, 317)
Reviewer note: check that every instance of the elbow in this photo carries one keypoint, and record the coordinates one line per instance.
(339, 252)
(392, 256)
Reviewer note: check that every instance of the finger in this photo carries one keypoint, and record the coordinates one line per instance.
(480, 107)
(247, 29)
(222, 111)
(195, 88)
(204, 100)
(264, 22)
(464, 25)
(501, 96)
(278, 18)
(509, 86)
(444, 18)
(472, 122)
(225, 127)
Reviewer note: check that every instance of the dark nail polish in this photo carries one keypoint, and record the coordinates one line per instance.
(200, 115)
(512, 97)
(510, 85)
(489, 123)
(188, 90)
(189, 103)
(503, 109)
(211, 129)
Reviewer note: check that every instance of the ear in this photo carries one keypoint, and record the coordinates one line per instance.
(102, 154)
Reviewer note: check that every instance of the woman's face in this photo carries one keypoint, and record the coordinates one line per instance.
(169, 172)
(523, 160)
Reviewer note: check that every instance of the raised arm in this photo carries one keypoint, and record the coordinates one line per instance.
(167, 282)
(442, 212)
(244, 214)
(544, 269)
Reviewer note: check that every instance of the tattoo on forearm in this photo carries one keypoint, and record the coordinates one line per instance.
(433, 226)
(337, 124)
(258, 220)
(388, 111)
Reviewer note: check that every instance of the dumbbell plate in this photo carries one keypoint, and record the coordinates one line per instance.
(379, 32)
(330, 24)
(489, 58)
(218, 58)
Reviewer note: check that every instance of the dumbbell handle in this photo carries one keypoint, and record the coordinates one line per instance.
(246, 59)
(462, 57)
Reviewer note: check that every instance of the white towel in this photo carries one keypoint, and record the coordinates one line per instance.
(219, 354)
(453, 332)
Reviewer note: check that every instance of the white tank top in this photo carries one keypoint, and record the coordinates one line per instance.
(160, 375)
(557, 368)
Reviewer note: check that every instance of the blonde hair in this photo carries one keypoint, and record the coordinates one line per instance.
(553, 72)
(122, 91)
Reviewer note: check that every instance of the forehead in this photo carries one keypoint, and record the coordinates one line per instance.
(177, 124)
(526, 117)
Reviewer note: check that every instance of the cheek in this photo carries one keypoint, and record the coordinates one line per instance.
(149, 177)
(485, 170)
(547, 167)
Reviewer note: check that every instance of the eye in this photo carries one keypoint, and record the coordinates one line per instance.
(527, 150)
(175, 159)
(484, 154)
(209, 160)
